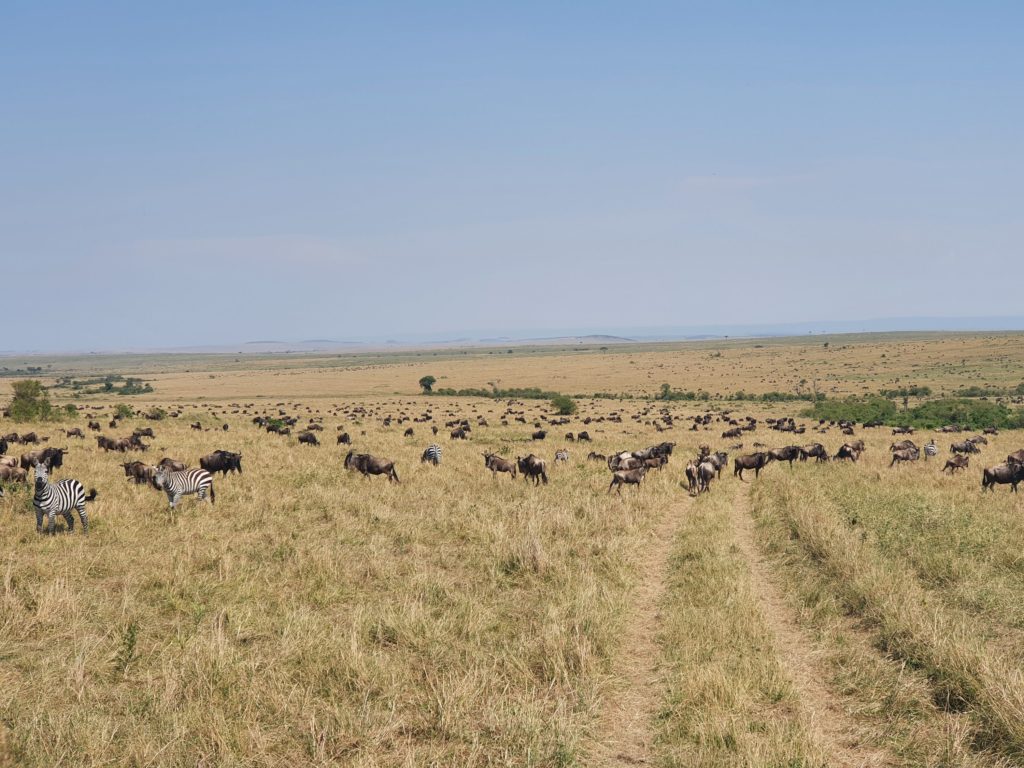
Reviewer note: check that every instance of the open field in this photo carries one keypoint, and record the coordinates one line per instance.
(840, 365)
(846, 614)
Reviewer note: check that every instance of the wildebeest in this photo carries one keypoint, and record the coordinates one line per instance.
(905, 454)
(706, 472)
(221, 461)
(755, 461)
(173, 465)
(790, 453)
(3, 446)
(1002, 475)
(497, 464)
(409, 432)
(76, 432)
(31, 437)
(583, 437)
(533, 467)
(344, 439)
(94, 426)
(847, 451)
(143, 432)
(627, 477)
(1017, 457)
(540, 434)
(965, 446)
(371, 465)
(957, 462)
(13, 474)
(53, 458)
(460, 433)
(903, 445)
(735, 432)
(903, 430)
(691, 477)
(814, 450)
(308, 438)
(139, 472)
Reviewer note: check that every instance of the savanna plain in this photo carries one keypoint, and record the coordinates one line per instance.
(839, 613)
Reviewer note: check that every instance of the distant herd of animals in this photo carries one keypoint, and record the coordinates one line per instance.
(176, 479)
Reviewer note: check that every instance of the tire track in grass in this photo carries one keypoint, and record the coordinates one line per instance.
(821, 711)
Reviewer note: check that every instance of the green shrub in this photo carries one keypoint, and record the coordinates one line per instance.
(31, 402)
(859, 409)
(563, 405)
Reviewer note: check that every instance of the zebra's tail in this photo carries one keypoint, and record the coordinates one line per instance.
(213, 495)
(92, 495)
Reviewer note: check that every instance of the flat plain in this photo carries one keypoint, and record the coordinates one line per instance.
(847, 614)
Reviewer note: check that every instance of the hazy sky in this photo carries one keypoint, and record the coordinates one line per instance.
(218, 172)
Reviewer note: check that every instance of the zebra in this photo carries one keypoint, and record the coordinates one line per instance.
(178, 484)
(930, 449)
(62, 497)
(432, 454)
(561, 455)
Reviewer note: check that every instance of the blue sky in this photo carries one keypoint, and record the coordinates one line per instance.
(187, 173)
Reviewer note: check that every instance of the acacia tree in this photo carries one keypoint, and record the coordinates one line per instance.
(427, 382)
(30, 403)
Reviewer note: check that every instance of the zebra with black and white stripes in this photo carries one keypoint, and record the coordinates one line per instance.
(59, 498)
(184, 483)
(432, 454)
(930, 449)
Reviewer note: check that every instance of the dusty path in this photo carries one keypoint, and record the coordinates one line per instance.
(624, 733)
(821, 712)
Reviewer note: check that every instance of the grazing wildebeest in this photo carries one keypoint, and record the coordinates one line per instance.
(533, 467)
(570, 437)
(458, 434)
(308, 438)
(540, 434)
(94, 426)
(10, 437)
(990, 431)
(561, 455)
(1002, 475)
(497, 464)
(847, 451)
(53, 458)
(172, 465)
(13, 474)
(409, 432)
(814, 450)
(76, 432)
(957, 462)
(755, 461)
(965, 446)
(627, 477)
(735, 432)
(583, 437)
(655, 462)
(221, 461)
(790, 453)
(371, 465)
(1017, 457)
(344, 439)
(196, 425)
(903, 445)
(905, 454)
(31, 437)
(978, 440)
(143, 432)
(224, 427)
(138, 472)
(903, 430)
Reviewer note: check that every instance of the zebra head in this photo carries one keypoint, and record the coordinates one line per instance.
(42, 473)
(160, 477)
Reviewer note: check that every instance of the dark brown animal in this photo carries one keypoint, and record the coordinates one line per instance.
(371, 465)
(814, 450)
(76, 432)
(957, 462)
(540, 434)
(173, 465)
(224, 462)
(755, 461)
(308, 438)
(344, 439)
(1004, 474)
(790, 453)
(906, 454)
(847, 451)
(497, 464)
(627, 477)
(533, 468)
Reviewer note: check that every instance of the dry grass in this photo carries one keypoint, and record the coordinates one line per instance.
(312, 617)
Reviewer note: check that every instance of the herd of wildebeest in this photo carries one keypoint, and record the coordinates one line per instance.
(177, 478)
